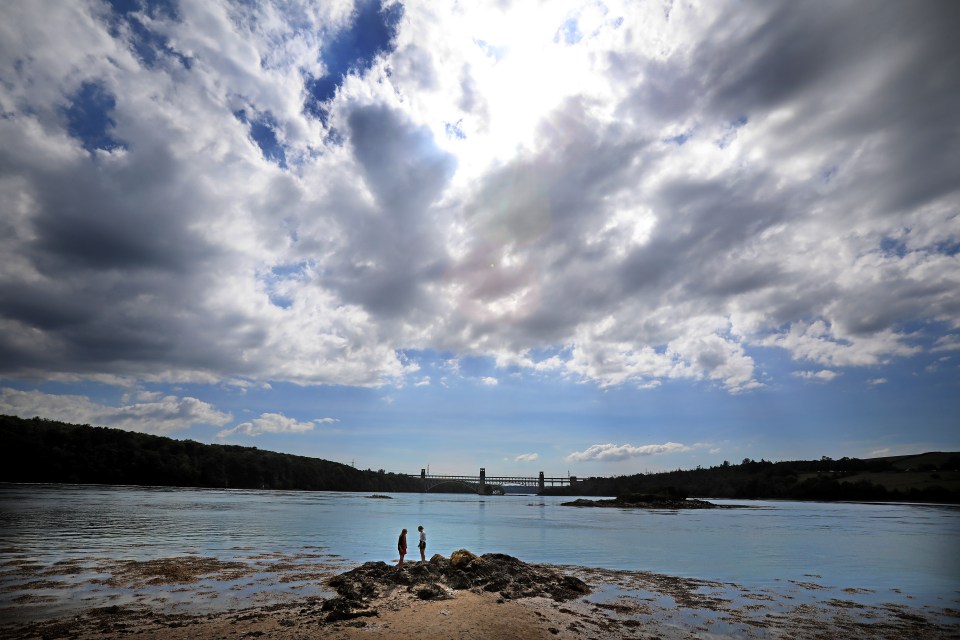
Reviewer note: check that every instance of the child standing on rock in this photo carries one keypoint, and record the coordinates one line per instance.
(423, 544)
(402, 546)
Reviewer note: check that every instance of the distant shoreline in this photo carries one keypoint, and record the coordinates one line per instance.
(37, 450)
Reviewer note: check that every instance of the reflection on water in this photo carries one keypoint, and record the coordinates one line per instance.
(890, 550)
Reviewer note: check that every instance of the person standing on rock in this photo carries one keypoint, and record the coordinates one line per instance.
(402, 546)
(423, 544)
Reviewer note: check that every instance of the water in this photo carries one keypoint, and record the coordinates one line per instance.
(895, 550)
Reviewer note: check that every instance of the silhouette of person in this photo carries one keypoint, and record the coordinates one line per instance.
(423, 543)
(402, 546)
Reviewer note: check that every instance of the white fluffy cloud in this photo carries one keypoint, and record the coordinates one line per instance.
(273, 423)
(527, 457)
(611, 452)
(151, 414)
(646, 193)
(824, 375)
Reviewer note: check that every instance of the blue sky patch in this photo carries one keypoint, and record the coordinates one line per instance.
(569, 32)
(492, 51)
(680, 139)
(153, 8)
(947, 247)
(263, 131)
(353, 50)
(454, 130)
(148, 45)
(277, 275)
(893, 247)
(730, 131)
(89, 117)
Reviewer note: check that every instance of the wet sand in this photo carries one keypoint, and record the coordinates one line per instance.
(282, 596)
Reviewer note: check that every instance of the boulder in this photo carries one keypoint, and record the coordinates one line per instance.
(462, 558)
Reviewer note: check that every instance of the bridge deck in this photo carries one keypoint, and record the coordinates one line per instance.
(528, 481)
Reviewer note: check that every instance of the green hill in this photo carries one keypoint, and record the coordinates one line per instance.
(39, 450)
(927, 477)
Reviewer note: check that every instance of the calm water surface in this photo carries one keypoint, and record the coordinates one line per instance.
(910, 550)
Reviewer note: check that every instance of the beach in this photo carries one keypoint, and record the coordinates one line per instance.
(394, 603)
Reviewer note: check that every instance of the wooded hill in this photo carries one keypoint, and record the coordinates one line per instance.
(39, 450)
(927, 477)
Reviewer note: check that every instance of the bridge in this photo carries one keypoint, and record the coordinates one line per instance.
(483, 484)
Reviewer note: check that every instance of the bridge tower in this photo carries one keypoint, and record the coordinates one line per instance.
(540, 484)
(483, 481)
(423, 480)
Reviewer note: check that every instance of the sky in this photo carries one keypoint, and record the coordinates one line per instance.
(589, 238)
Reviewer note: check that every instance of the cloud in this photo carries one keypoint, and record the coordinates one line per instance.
(489, 382)
(642, 197)
(824, 375)
(612, 452)
(876, 382)
(526, 457)
(155, 413)
(273, 423)
(947, 343)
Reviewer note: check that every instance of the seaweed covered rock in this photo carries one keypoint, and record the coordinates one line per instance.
(644, 501)
(341, 608)
(463, 558)
(440, 577)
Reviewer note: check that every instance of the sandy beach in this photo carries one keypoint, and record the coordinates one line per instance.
(188, 597)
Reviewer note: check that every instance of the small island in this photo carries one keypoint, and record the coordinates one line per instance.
(669, 500)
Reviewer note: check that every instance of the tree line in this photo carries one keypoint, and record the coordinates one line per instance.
(923, 478)
(41, 450)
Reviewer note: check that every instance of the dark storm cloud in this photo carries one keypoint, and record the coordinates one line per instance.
(128, 219)
(702, 226)
(401, 162)
(394, 246)
(852, 70)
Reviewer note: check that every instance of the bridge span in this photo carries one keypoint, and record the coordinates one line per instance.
(483, 484)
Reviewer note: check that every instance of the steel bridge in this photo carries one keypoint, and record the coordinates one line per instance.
(482, 484)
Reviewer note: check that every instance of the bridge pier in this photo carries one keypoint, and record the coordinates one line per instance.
(483, 481)
(540, 484)
(423, 480)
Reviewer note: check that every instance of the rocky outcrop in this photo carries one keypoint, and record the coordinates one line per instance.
(441, 577)
(645, 502)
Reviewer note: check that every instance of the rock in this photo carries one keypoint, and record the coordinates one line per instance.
(643, 501)
(462, 558)
(580, 502)
(340, 608)
(432, 591)
(493, 572)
